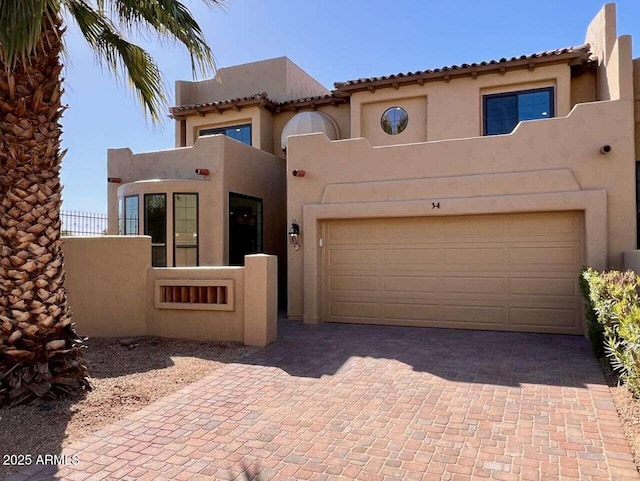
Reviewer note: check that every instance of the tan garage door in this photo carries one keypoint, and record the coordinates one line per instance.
(515, 272)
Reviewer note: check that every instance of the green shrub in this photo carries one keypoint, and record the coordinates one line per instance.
(614, 302)
(595, 331)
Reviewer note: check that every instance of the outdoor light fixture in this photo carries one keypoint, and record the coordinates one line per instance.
(294, 235)
(605, 149)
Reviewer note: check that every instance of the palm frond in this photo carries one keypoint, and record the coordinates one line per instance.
(21, 23)
(121, 57)
(172, 21)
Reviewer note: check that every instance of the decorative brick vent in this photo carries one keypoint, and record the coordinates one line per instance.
(194, 294)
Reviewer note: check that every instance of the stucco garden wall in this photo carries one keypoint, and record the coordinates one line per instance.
(105, 276)
(114, 292)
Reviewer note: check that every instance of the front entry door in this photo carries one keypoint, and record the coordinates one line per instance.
(245, 227)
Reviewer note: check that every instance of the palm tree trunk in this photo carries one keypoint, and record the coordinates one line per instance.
(40, 352)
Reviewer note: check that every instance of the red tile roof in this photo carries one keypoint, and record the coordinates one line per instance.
(574, 55)
(580, 53)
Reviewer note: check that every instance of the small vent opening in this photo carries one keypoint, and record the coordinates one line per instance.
(194, 294)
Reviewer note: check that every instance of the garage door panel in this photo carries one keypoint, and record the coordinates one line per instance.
(474, 255)
(474, 228)
(361, 310)
(411, 256)
(420, 311)
(539, 255)
(419, 284)
(481, 316)
(562, 287)
(543, 319)
(474, 284)
(395, 230)
(354, 283)
(550, 226)
(505, 272)
(354, 257)
(346, 232)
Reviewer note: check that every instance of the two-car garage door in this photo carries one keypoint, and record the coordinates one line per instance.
(515, 272)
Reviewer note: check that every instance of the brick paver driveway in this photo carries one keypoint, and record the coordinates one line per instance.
(377, 403)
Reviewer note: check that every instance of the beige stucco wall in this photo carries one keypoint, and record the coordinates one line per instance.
(112, 293)
(362, 178)
(449, 110)
(234, 167)
(197, 324)
(572, 142)
(584, 87)
(601, 36)
(300, 84)
(632, 261)
(281, 78)
(105, 279)
(260, 300)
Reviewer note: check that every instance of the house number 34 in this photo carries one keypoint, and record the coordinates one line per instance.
(435, 205)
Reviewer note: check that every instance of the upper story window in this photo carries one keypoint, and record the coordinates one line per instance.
(394, 120)
(502, 112)
(241, 133)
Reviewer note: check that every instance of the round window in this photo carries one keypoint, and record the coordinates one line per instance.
(394, 120)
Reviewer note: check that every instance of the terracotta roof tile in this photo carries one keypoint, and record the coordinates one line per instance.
(258, 99)
(343, 89)
(581, 51)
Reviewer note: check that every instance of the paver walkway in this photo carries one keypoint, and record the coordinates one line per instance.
(376, 403)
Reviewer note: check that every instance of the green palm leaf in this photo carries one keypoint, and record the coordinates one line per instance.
(103, 24)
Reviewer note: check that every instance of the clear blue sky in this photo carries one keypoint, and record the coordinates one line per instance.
(333, 40)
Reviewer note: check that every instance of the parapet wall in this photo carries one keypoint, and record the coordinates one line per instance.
(114, 292)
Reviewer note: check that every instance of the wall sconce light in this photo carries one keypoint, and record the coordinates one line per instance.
(605, 149)
(294, 235)
(202, 171)
(298, 173)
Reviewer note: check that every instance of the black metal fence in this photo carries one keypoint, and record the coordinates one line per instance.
(83, 223)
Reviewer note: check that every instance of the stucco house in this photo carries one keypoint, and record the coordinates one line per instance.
(468, 196)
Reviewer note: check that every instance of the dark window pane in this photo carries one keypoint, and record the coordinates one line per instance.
(535, 105)
(159, 256)
(394, 120)
(502, 112)
(155, 225)
(245, 227)
(241, 133)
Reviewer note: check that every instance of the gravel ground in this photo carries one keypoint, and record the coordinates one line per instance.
(628, 409)
(125, 379)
